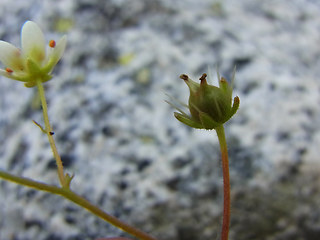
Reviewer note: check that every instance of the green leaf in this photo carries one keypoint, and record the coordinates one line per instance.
(235, 106)
(187, 120)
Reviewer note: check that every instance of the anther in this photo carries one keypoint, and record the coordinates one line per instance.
(223, 80)
(184, 77)
(203, 77)
(52, 43)
(9, 70)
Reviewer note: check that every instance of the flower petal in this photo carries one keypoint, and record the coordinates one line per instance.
(4, 73)
(18, 77)
(56, 53)
(59, 49)
(32, 42)
(10, 56)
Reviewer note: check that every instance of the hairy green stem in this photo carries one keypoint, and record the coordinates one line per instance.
(77, 199)
(49, 132)
(226, 183)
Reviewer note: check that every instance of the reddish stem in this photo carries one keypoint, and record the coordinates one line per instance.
(226, 196)
(226, 183)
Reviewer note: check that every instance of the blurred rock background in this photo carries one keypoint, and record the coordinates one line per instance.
(130, 156)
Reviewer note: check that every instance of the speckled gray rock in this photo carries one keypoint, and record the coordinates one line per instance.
(130, 156)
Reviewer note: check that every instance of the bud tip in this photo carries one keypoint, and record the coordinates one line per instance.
(184, 77)
(223, 80)
(203, 78)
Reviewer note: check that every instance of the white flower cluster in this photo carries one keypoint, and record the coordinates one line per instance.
(33, 62)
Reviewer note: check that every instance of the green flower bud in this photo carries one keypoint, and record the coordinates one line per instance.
(209, 106)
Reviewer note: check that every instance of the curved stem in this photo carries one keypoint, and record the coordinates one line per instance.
(77, 199)
(226, 183)
(48, 131)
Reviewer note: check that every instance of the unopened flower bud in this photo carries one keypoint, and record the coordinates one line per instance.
(209, 106)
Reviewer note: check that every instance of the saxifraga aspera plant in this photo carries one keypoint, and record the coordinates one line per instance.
(33, 65)
(210, 107)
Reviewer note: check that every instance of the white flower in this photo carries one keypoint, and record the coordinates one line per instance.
(33, 62)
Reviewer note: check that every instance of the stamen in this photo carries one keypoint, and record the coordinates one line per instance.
(52, 43)
(9, 70)
(223, 80)
(203, 77)
(184, 77)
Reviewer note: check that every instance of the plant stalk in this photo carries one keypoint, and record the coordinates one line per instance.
(49, 132)
(226, 183)
(77, 199)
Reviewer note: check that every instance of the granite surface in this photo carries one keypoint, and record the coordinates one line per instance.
(118, 136)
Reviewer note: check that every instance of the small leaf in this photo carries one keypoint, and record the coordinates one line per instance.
(187, 120)
(235, 106)
(68, 179)
(41, 128)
